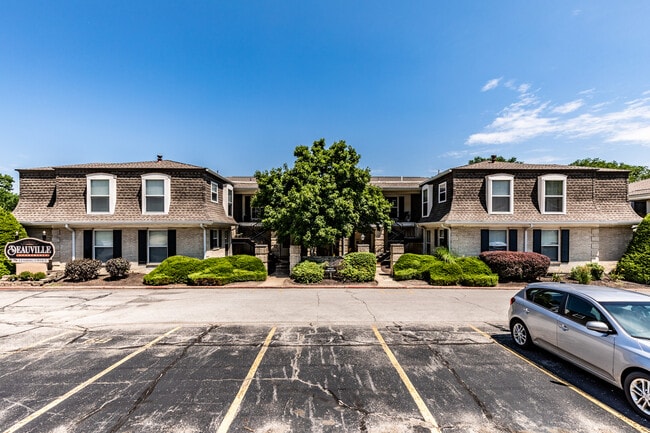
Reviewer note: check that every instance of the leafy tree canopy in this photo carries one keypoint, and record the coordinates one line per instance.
(498, 158)
(637, 172)
(8, 200)
(9, 226)
(324, 197)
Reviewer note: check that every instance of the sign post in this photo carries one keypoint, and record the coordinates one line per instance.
(30, 254)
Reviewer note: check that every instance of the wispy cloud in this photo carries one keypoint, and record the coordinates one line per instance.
(492, 84)
(530, 117)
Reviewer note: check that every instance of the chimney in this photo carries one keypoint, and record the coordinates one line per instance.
(159, 158)
(493, 158)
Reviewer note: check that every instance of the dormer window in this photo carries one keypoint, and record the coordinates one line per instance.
(214, 192)
(552, 194)
(442, 192)
(500, 196)
(101, 194)
(228, 199)
(155, 194)
(426, 204)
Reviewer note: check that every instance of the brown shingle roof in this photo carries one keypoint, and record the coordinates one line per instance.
(639, 190)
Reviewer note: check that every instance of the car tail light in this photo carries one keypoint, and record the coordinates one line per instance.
(512, 300)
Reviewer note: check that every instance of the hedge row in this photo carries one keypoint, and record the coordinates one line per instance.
(355, 267)
(444, 271)
(208, 272)
(516, 265)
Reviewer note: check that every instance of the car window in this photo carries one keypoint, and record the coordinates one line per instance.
(581, 311)
(547, 298)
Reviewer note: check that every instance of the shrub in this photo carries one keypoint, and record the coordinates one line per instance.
(308, 272)
(173, 270)
(358, 267)
(635, 263)
(411, 266)
(9, 225)
(39, 276)
(6, 267)
(582, 274)
(25, 276)
(479, 280)
(476, 273)
(596, 270)
(247, 263)
(82, 269)
(118, 267)
(443, 274)
(516, 265)
(443, 254)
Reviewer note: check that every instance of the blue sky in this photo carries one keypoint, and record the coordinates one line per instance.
(414, 86)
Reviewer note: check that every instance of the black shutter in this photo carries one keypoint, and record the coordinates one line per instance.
(512, 240)
(171, 243)
(537, 241)
(435, 240)
(142, 247)
(117, 243)
(212, 245)
(564, 246)
(88, 244)
(400, 208)
(485, 240)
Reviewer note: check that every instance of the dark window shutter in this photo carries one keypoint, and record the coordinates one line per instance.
(142, 247)
(400, 208)
(171, 243)
(564, 246)
(435, 239)
(537, 241)
(485, 240)
(117, 243)
(512, 240)
(212, 245)
(88, 244)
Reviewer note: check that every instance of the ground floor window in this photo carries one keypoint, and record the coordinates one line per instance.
(103, 245)
(498, 240)
(427, 242)
(219, 238)
(157, 246)
(551, 244)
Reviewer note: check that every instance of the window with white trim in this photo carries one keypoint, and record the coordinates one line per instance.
(157, 246)
(500, 196)
(497, 240)
(551, 244)
(103, 245)
(425, 200)
(394, 207)
(442, 192)
(101, 193)
(214, 192)
(228, 199)
(155, 194)
(552, 194)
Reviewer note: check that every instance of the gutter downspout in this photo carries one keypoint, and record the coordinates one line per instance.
(526, 237)
(74, 241)
(204, 239)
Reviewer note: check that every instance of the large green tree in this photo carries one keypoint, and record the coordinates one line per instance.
(9, 227)
(499, 158)
(324, 197)
(8, 200)
(637, 172)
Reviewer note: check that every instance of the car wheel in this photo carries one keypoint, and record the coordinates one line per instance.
(520, 334)
(637, 392)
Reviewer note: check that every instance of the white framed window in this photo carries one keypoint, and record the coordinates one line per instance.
(551, 244)
(103, 245)
(500, 196)
(101, 194)
(442, 192)
(228, 199)
(394, 207)
(498, 240)
(156, 196)
(426, 203)
(552, 194)
(214, 192)
(157, 246)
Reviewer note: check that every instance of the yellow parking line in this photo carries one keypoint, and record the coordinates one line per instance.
(234, 406)
(424, 410)
(93, 379)
(580, 392)
(38, 343)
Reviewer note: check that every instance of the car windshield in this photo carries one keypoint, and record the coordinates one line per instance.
(634, 317)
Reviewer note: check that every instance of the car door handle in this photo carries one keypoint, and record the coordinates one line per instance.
(563, 327)
(526, 310)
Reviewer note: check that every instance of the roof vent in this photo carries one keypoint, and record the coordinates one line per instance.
(159, 158)
(493, 158)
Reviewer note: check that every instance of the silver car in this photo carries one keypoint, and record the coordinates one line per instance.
(605, 331)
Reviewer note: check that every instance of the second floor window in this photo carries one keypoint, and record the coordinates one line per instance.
(155, 193)
(101, 191)
(442, 192)
(214, 192)
(500, 198)
(394, 207)
(552, 197)
(425, 201)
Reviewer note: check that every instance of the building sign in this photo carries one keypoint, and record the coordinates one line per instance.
(29, 250)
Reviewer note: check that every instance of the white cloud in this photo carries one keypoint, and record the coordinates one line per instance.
(492, 84)
(529, 118)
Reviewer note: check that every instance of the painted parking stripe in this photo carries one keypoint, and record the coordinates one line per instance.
(83, 385)
(31, 346)
(424, 410)
(578, 391)
(234, 406)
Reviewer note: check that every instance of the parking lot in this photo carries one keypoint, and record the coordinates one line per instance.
(96, 369)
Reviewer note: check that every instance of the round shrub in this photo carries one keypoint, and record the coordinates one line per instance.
(479, 280)
(516, 265)
(358, 267)
(582, 274)
(118, 267)
(25, 276)
(308, 272)
(39, 276)
(597, 271)
(443, 274)
(82, 269)
(173, 270)
(410, 266)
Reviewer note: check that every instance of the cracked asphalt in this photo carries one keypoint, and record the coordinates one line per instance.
(276, 361)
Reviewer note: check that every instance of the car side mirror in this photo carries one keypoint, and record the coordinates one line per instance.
(598, 326)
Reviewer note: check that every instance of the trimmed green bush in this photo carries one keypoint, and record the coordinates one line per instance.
(476, 273)
(479, 280)
(118, 267)
(308, 272)
(597, 271)
(635, 264)
(39, 276)
(82, 269)
(358, 267)
(209, 272)
(443, 273)
(173, 270)
(582, 274)
(25, 276)
(516, 265)
(411, 266)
